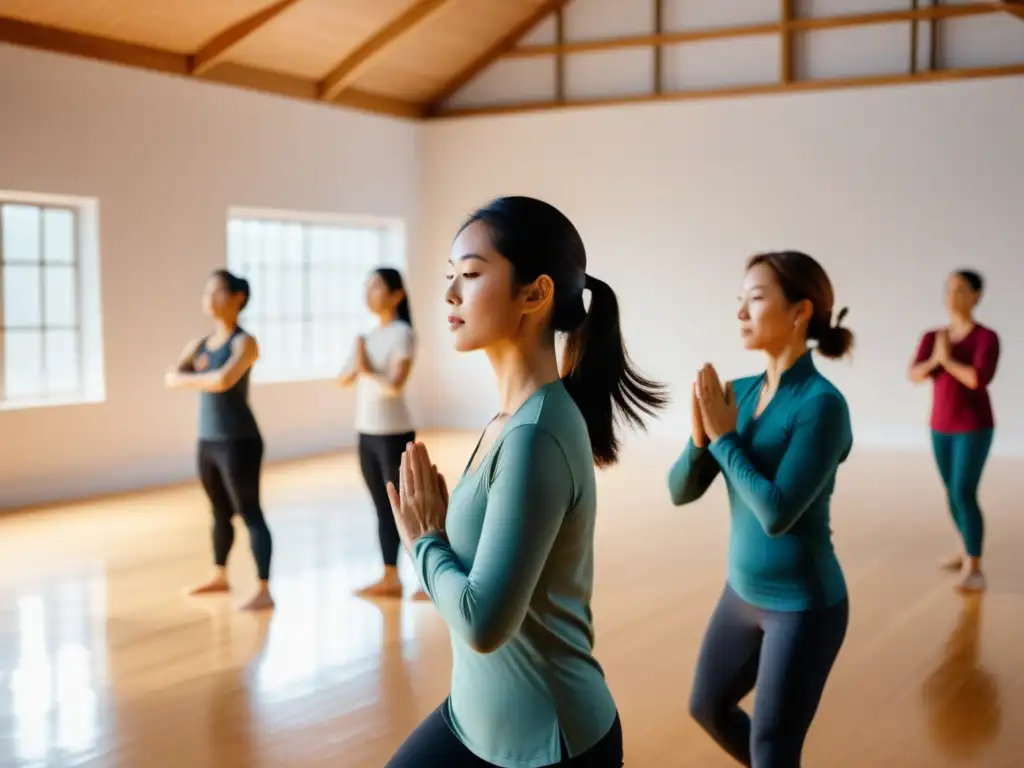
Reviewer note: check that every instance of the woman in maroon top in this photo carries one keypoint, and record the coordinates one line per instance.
(961, 360)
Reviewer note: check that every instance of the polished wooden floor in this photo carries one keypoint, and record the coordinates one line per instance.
(103, 662)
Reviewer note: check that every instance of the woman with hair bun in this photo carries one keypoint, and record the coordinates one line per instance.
(961, 361)
(778, 438)
(230, 450)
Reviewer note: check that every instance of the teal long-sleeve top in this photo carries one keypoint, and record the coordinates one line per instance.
(780, 470)
(513, 582)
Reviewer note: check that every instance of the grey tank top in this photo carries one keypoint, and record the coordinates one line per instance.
(224, 415)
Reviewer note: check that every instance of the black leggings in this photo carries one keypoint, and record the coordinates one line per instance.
(380, 457)
(434, 745)
(230, 473)
(787, 655)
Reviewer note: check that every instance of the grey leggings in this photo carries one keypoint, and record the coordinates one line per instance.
(787, 655)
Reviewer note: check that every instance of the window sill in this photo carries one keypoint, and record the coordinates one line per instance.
(51, 402)
(272, 380)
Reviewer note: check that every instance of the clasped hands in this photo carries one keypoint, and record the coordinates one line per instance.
(420, 503)
(360, 361)
(940, 351)
(714, 408)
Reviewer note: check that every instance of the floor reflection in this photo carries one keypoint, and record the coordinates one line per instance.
(53, 670)
(962, 697)
(322, 634)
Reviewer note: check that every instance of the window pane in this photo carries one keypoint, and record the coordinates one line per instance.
(292, 293)
(351, 294)
(320, 291)
(21, 233)
(58, 235)
(273, 347)
(294, 356)
(61, 309)
(23, 364)
(325, 244)
(236, 247)
(272, 233)
(251, 244)
(369, 249)
(62, 363)
(293, 244)
(21, 296)
(257, 306)
(274, 293)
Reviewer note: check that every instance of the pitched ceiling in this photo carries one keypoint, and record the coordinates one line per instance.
(399, 57)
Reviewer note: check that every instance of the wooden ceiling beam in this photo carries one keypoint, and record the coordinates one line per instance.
(215, 51)
(799, 24)
(495, 52)
(61, 41)
(820, 84)
(1012, 7)
(43, 38)
(375, 46)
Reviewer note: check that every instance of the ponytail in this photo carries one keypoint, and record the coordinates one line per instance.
(599, 375)
(538, 239)
(393, 280)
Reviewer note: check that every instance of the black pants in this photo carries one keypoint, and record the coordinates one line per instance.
(230, 473)
(380, 457)
(787, 655)
(434, 745)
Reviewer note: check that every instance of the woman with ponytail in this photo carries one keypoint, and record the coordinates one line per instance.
(379, 368)
(508, 559)
(778, 438)
(230, 445)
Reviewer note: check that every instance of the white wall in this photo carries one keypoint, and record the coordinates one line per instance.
(889, 188)
(166, 158)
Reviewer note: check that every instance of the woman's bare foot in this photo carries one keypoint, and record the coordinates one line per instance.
(260, 601)
(420, 596)
(386, 587)
(971, 578)
(217, 583)
(954, 563)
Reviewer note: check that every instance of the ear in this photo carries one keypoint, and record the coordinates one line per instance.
(803, 312)
(538, 295)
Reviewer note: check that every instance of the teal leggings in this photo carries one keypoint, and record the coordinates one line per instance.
(961, 459)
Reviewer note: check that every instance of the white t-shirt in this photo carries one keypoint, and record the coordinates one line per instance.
(379, 412)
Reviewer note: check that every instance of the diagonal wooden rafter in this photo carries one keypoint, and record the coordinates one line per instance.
(1013, 7)
(44, 38)
(495, 52)
(343, 75)
(215, 51)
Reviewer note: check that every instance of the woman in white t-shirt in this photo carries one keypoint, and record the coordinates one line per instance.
(379, 368)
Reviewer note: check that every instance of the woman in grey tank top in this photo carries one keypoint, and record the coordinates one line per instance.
(230, 451)
(379, 368)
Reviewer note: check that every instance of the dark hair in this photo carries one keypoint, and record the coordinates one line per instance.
(972, 278)
(801, 278)
(597, 372)
(234, 284)
(393, 280)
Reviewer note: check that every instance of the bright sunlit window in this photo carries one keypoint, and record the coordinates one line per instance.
(50, 349)
(307, 274)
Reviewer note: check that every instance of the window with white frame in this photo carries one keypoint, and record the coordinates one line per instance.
(49, 302)
(307, 276)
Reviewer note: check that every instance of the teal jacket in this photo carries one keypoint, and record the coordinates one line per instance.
(780, 471)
